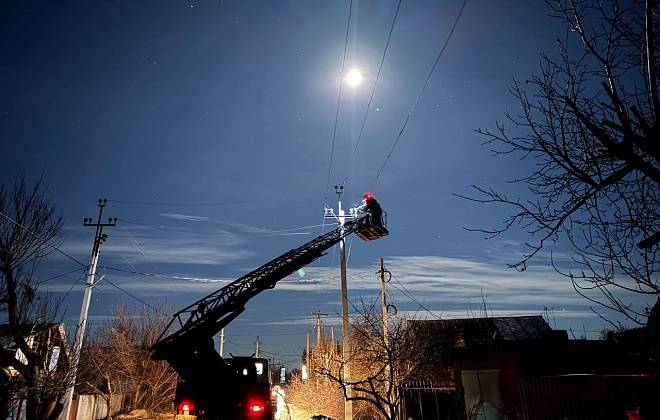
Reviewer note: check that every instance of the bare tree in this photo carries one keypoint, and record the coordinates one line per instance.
(380, 362)
(29, 231)
(102, 369)
(315, 396)
(117, 360)
(589, 124)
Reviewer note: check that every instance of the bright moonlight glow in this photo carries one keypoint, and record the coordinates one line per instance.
(354, 77)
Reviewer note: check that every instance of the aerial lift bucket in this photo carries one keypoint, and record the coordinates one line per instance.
(370, 231)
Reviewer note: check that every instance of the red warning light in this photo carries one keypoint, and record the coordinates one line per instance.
(368, 196)
(186, 408)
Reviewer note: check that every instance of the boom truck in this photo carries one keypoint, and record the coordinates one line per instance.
(212, 388)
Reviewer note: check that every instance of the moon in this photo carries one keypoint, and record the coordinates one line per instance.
(354, 77)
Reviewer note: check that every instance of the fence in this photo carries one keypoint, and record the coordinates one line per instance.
(93, 407)
(423, 401)
(83, 407)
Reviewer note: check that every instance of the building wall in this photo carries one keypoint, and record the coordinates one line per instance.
(597, 397)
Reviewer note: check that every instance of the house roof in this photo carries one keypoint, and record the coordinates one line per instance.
(527, 341)
(503, 328)
(27, 330)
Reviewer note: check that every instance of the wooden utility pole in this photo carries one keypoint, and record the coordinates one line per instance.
(384, 301)
(386, 338)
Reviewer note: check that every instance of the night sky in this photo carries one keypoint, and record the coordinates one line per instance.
(210, 128)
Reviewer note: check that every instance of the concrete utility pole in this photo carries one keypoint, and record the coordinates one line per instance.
(307, 366)
(257, 352)
(222, 341)
(99, 238)
(332, 340)
(346, 347)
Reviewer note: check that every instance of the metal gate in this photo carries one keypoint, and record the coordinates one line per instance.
(422, 401)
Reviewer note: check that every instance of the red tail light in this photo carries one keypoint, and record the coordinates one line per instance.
(257, 408)
(185, 408)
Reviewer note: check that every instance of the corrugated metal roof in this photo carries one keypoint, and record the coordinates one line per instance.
(521, 328)
(506, 328)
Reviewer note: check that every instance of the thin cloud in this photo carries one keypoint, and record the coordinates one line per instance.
(445, 287)
(186, 217)
(238, 227)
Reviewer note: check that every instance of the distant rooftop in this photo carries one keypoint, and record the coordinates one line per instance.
(504, 328)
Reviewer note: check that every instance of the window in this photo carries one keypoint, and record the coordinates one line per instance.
(259, 367)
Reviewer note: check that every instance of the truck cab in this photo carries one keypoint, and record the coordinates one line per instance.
(246, 396)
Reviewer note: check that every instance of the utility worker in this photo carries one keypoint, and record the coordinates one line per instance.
(374, 208)
(371, 207)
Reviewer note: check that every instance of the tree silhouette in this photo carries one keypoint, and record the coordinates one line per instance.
(29, 231)
(589, 123)
(380, 362)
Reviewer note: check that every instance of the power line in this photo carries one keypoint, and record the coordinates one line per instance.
(334, 133)
(206, 280)
(410, 296)
(150, 237)
(137, 246)
(285, 232)
(82, 274)
(151, 203)
(265, 335)
(141, 273)
(376, 82)
(136, 298)
(442, 50)
(262, 351)
(173, 230)
(62, 275)
(41, 239)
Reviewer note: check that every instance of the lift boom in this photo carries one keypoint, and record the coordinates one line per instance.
(190, 350)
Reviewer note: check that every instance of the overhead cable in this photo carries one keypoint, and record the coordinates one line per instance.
(151, 203)
(141, 273)
(442, 50)
(285, 232)
(136, 298)
(341, 80)
(62, 275)
(42, 239)
(387, 44)
(410, 296)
